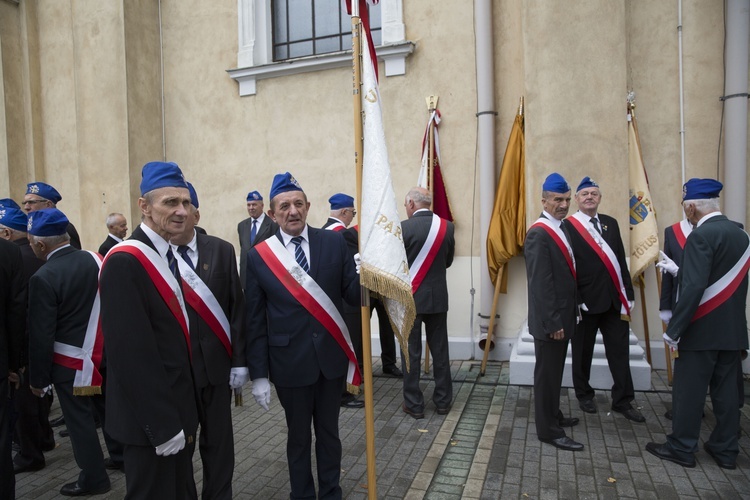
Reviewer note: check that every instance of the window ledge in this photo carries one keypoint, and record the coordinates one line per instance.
(394, 56)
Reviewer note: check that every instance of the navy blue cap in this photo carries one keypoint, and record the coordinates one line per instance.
(340, 200)
(193, 195)
(47, 222)
(701, 189)
(254, 196)
(43, 191)
(283, 183)
(8, 203)
(159, 174)
(555, 183)
(587, 182)
(14, 218)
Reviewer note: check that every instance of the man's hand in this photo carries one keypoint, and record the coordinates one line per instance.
(238, 376)
(667, 265)
(665, 316)
(357, 262)
(631, 305)
(14, 379)
(670, 341)
(39, 392)
(558, 335)
(172, 446)
(262, 392)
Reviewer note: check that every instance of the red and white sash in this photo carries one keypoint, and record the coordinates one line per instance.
(559, 238)
(723, 288)
(85, 360)
(580, 222)
(202, 300)
(426, 256)
(164, 281)
(682, 230)
(313, 298)
(336, 226)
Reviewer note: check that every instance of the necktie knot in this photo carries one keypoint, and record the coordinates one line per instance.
(595, 222)
(183, 251)
(299, 253)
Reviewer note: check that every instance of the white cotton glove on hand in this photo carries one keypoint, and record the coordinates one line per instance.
(262, 392)
(357, 261)
(670, 342)
(631, 305)
(584, 308)
(238, 376)
(665, 316)
(667, 265)
(172, 446)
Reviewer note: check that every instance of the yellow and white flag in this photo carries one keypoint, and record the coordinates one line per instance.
(644, 233)
(385, 269)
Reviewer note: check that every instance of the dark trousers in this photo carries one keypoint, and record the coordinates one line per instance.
(387, 339)
(694, 373)
(151, 477)
(79, 418)
(548, 373)
(436, 330)
(216, 442)
(32, 426)
(615, 333)
(316, 404)
(7, 477)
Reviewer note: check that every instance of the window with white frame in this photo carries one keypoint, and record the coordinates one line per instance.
(313, 43)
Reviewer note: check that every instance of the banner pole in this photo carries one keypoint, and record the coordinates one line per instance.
(488, 340)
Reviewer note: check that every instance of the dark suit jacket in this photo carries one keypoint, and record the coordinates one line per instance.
(432, 294)
(61, 295)
(75, 240)
(217, 267)
(12, 308)
(595, 286)
(150, 390)
(107, 245)
(673, 250)
(710, 251)
(551, 287)
(267, 228)
(30, 265)
(286, 341)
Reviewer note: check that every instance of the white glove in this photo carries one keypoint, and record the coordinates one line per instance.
(665, 316)
(238, 376)
(670, 342)
(667, 265)
(262, 392)
(172, 446)
(357, 261)
(584, 308)
(631, 305)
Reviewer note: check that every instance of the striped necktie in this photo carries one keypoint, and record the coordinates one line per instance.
(183, 250)
(299, 254)
(172, 261)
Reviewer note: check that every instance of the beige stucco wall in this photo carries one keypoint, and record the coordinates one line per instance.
(82, 110)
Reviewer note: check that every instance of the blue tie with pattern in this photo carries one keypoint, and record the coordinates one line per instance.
(254, 231)
(299, 254)
(172, 261)
(183, 250)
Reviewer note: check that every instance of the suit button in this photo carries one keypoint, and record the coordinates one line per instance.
(315, 335)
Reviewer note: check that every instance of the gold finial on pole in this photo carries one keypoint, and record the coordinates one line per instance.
(520, 106)
(432, 101)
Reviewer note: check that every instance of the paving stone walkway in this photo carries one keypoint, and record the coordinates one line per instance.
(486, 447)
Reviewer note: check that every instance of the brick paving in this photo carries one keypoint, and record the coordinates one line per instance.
(485, 448)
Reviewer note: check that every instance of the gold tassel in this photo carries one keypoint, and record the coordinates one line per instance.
(352, 389)
(89, 390)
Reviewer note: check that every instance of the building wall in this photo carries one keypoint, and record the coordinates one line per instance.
(82, 110)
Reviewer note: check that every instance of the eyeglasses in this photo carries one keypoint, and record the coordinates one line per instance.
(32, 202)
(354, 212)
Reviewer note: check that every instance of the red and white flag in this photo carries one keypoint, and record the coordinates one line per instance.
(440, 204)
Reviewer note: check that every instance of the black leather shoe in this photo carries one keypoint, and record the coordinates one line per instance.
(63, 433)
(632, 414)
(588, 405)
(665, 453)
(443, 411)
(110, 464)
(351, 402)
(18, 469)
(48, 446)
(564, 443)
(719, 461)
(668, 414)
(73, 490)
(568, 422)
(413, 414)
(394, 371)
(57, 422)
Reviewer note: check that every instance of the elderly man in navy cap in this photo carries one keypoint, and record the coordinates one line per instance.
(297, 336)
(254, 229)
(8, 203)
(39, 196)
(553, 309)
(150, 389)
(217, 322)
(63, 349)
(709, 327)
(605, 288)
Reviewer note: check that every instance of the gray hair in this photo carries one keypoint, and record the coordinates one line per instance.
(111, 218)
(51, 241)
(706, 205)
(420, 196)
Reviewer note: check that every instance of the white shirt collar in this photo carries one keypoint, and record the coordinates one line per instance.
(259, 219)
(286, 238)
(421, 210)
(161, 245)
(706, 217)
(53, 252)
(549, 216)
(336, 219)
(118, 240)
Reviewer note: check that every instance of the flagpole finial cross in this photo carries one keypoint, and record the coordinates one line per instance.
(432, 102)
